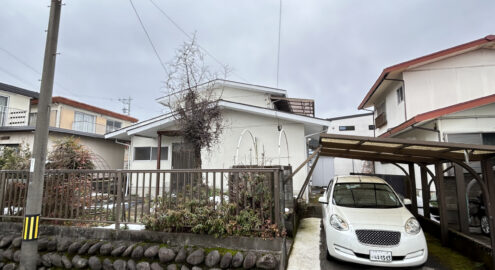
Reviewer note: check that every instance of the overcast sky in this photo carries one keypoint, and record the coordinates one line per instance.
(331, 51)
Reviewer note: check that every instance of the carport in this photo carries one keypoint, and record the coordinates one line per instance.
(446, 158)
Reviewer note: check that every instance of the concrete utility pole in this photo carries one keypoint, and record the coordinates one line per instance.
(29, 249)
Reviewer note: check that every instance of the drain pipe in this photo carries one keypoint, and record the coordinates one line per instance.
(128, 162)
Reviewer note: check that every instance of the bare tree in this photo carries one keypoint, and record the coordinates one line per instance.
(193, 99)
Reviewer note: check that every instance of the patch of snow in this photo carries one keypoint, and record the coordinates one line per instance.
(218, 199)
(131, 227)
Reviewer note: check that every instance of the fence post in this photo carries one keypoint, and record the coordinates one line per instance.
(118, 210)
(276, 191)
(3, 181)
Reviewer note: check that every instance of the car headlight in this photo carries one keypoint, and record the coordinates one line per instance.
(338, 223)
(412, 226)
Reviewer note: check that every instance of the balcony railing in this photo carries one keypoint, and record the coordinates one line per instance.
(89, 127)
(13, 117)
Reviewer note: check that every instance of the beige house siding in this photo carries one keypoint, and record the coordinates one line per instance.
(106, 154)
(66, 118)
(101, 125)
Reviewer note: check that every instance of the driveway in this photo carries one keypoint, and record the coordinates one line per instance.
(325, 264)
(309, 251)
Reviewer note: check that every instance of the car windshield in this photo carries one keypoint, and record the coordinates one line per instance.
(365, 195)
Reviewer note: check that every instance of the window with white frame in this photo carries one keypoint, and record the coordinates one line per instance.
(113, 125)
(84, 122)
(150, 153)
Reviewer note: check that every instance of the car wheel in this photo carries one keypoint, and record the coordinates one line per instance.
(485, 225)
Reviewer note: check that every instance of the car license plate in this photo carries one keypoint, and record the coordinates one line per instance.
(380, 255)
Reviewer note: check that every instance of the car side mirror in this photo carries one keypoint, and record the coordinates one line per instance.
(323, 200)
(407, 201)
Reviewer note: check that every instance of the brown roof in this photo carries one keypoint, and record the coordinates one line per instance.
(440, 112)
(425, 59)
(90, 108)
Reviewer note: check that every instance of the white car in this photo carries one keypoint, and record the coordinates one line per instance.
(365, 222)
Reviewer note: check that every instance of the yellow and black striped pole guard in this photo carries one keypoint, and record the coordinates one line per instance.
(31, 223)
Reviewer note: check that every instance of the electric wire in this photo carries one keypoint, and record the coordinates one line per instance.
(191, 38)
(149, 38)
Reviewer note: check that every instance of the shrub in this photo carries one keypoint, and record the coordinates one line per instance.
(13, 158)
(68, 153)
(202, 218)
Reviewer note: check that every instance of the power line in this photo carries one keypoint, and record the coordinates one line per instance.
(60, 86)
(191, 38)
(21, 61)
(279, 31)
(149, 38)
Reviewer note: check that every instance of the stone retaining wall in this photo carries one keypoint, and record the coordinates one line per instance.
(79, 248)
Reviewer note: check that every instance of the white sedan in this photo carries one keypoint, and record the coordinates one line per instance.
(365, 222)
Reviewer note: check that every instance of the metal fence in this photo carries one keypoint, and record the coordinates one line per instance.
(126, 196)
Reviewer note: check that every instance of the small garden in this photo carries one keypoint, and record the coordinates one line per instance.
(246, 211)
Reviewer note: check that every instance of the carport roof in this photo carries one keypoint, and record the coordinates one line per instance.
(401, 150)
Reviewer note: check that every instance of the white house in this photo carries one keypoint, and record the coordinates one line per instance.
(328, 167)
(446, 96)
(262, 126)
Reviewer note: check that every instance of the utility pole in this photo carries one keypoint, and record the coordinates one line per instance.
(126, 102)
(29, 248)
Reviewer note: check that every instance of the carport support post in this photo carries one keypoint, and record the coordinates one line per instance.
(412, 182)
(425, 192)
(461, 198)
(489, 179)
(442, 205)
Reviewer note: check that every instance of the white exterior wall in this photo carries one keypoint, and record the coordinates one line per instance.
(17, 101)
(264, 129)
(138, 141)
(343, 166)
(447, 82)
(440, 84)
(244, 96)
(395, 111)
(477, 120)
(228, 93)
(222, 155)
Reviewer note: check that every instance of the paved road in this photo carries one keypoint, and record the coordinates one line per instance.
(325, 264)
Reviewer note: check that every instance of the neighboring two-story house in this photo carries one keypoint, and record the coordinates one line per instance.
(328, 167)
(67, 118)
(446, 96)
(262, 126)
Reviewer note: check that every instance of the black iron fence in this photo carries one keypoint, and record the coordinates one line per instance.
(126, 196)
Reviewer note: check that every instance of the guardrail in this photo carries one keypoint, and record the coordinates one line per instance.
(126, 196)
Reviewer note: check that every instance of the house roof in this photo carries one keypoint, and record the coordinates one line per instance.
(151, 126)
(51, 129)
(440, 112)
(233, 84)
(487, 41)
(350, 116)
(77, 104)
(19, 91)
